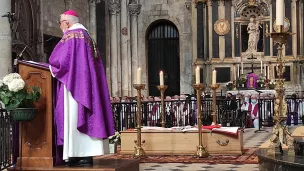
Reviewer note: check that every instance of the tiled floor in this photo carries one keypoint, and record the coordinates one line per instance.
(251, 139)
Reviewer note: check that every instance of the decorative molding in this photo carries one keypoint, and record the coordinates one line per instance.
(222, 27)
(94, 1)
(237, 31)
(209, 2)
(114, 7)
(134, 9)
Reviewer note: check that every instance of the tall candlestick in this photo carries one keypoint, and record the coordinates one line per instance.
(261, 68)
(138, 80)
(234, 73)
(161, 78)
(280, 12)
(238, 70)
(242, 66)
(197, 75)
(214, 77)
(265, 71)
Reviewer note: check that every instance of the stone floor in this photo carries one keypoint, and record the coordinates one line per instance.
(251, 139)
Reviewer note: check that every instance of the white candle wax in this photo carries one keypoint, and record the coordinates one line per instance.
(138, 78)
(197, 75)
(265, 70)
(242, 66)
(280, 12)
(234, 73)
(261, 68)
(268, 72)
(161, 78)
(214, 77)
(238, 70)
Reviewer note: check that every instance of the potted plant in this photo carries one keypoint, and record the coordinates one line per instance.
(229, 85)
(271, 84)
(261, 82)
(113, 142)
(18, 98)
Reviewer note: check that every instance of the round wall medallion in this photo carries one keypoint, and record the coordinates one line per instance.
(222, 27)
(286, 25)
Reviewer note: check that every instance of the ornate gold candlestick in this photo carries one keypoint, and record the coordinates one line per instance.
(214, 87)
(280, 131)
(162, 89)
(139, 152)
(201, 151)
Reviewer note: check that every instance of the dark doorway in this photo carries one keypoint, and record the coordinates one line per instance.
(163, 55)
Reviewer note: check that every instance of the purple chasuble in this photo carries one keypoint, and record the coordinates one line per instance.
(74, 65)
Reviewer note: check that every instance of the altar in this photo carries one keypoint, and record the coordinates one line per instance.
(179, 142)
(252, 92)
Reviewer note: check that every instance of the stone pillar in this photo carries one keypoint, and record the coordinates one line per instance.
(124, 48)
(119, 71)
(93, 26)
(232, 30)
(113, 10)
(134, 10)
(294, 27)
(271, 30)
(5, 40)
(200, 29)
(221, 15)
(301, 13)
(210, 26)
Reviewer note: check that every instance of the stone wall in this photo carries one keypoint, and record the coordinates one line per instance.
(53, 9)
(177, 12)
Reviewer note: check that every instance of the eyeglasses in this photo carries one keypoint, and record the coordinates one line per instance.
(61, 22)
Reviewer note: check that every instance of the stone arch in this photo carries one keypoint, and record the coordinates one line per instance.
(242, 5)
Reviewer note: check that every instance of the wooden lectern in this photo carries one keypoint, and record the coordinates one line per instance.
(37, 135)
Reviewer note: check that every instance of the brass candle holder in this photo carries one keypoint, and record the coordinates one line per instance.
(162, 89)
(214, 87)
(139, 152)
(200, 151)
(280, 131)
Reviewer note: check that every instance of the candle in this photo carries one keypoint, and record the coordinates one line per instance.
(214, 77)
(242, 66)
(268, 72)
(265, 70)
(197, 75)
(238, 70)
(161, 78)
(280, 12)
(261, 68)
(138, 80)
(234, 73)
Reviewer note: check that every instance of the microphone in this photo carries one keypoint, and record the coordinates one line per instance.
(21, 53)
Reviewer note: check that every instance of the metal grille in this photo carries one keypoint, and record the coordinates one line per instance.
(163, 54)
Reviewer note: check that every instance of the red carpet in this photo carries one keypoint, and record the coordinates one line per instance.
(248, 157)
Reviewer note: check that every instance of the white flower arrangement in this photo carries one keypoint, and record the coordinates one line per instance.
(229, 83)
(16, 85)
(10, 77)
(115, 138)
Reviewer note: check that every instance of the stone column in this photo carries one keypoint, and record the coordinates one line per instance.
(271, 30)
(113, 10)
(200, 28)
(221, 15)
(301, 13)
(93, 26)
(294, 27)
(134, 10)
(119, 71)
(232, 30)
(124, 48)
(210, 26)
(5, 40)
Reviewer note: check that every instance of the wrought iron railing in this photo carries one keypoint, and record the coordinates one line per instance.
(6, 140)
(183, 112)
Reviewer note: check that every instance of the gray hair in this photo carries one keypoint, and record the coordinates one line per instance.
(71, 19)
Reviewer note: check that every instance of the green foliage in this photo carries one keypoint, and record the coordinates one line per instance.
(23, 98)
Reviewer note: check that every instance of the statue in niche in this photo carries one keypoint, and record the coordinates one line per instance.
(253, 30)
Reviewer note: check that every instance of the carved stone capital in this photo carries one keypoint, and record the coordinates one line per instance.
(94, 1)
(188, 5)
(114, 7)
(197, 1)
(134, 9)
(209, 3)
(221, 2)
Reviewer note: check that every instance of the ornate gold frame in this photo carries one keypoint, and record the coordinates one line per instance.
(222, 33)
